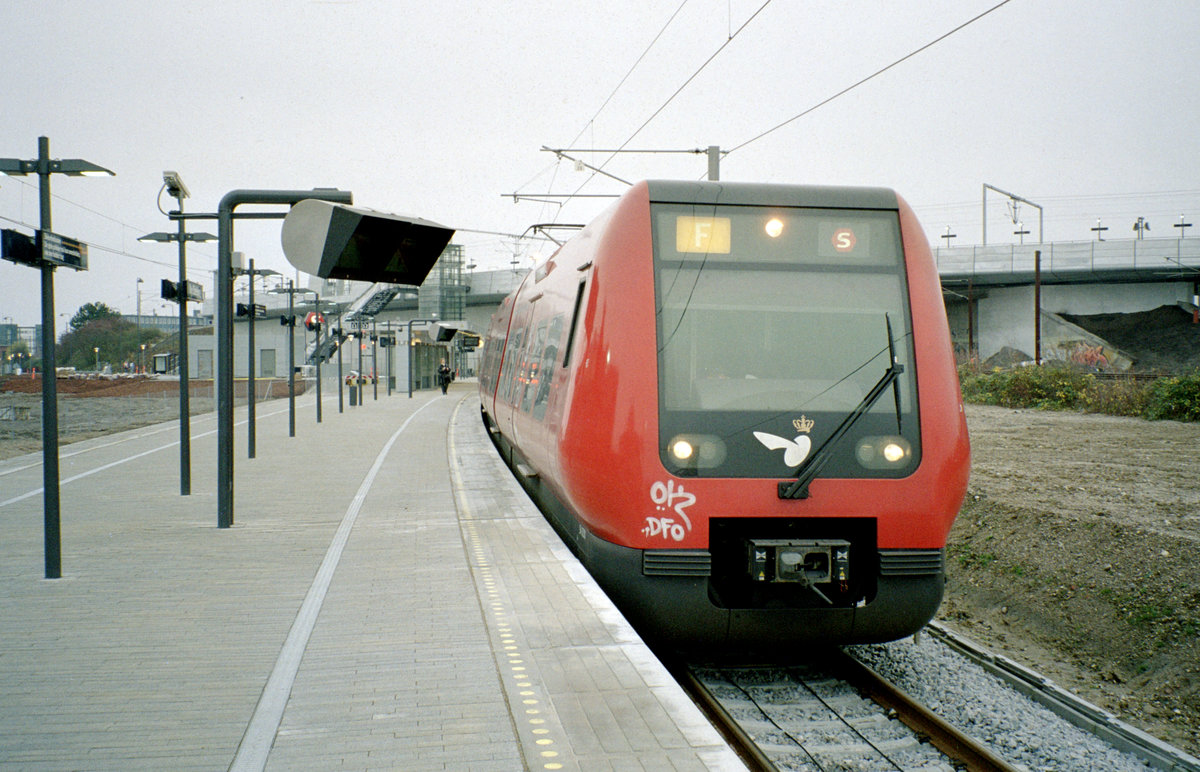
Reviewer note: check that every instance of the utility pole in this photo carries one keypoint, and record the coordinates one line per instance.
(1014, 197)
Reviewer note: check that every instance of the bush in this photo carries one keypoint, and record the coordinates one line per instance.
(1051, 388)
(1054, 387)
(1174, 398)
(1125, 396)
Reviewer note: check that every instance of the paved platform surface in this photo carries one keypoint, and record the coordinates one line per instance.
(387, 598)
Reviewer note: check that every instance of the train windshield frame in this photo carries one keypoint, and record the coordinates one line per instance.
(772, 325)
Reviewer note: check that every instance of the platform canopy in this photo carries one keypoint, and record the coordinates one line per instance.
(335, 241)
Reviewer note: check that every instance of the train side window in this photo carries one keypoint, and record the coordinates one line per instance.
(546, 372)
(510, 364)
(533, 367)
(574, 323)
(492, 355)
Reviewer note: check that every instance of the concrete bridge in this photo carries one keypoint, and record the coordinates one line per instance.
(992, 292)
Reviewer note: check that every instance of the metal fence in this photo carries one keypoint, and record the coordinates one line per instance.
(1135, 259)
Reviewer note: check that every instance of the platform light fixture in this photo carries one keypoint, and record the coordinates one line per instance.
(174, 187)
(43, 166)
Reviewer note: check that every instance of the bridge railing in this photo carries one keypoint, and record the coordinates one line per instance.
(1156, 258)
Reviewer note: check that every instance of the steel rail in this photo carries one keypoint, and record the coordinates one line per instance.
(944, 736)
(725, 724)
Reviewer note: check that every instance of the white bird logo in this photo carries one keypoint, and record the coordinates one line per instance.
(794, 451)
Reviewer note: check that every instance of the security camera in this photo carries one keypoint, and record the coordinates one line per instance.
(175, 186)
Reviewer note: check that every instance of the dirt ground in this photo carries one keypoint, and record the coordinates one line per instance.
(86, 408)
(1076, 553)
(90, 407)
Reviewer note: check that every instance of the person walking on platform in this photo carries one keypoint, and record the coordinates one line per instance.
(444, 375)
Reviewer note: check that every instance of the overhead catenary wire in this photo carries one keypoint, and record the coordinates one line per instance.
(591, 121)
(678, 91)
(93, 246)
(632, 67)
(873, 75)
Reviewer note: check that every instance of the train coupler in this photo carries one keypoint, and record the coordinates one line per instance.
(804, 562)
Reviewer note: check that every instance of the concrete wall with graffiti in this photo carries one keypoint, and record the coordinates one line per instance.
(1003, 319)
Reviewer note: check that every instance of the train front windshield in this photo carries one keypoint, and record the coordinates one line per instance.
(773, 327)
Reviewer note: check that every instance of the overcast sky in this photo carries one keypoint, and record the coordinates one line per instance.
(438, 109)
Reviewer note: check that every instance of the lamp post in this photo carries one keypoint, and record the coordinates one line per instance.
(318, 323)
(251, 388)
(175, 188)
(226, 215)
(291, 291)
(95, 349)
(138, 333)
(341, 339)
(391, 346)
(43, 166)
(319, 326)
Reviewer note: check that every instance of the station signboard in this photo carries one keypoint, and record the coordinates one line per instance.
(19, 248)
(171, 290)
(60, 250)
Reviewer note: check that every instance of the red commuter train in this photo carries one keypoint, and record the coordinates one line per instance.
(738, 404)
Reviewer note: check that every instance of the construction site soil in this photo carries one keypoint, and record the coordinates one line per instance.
(1077, 551)
(1164, 340)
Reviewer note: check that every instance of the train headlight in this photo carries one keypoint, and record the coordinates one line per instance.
(774, 227)
(695, 451)
(891, 452)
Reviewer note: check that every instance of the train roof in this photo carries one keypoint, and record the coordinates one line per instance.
(764, 194)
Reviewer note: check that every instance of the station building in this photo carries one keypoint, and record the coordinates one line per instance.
(387, 327)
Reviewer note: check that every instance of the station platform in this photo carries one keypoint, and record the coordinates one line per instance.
(387, 598)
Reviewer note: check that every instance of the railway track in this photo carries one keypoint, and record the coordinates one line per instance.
(832, 714)
(835, 712)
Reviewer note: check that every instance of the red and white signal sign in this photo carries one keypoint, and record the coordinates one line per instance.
(312, 319)
(844, 240)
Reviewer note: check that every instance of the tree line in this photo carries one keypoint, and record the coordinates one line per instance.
(98, 334)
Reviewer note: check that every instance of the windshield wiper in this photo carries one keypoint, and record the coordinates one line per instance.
(798, 488)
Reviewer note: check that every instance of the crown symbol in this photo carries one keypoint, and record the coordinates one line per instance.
(803, 425)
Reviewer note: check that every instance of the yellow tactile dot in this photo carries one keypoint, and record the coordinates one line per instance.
(544, 741)
(541, 730)
(552, 765)
(532, 711)
(549, 754)
(539, 721)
